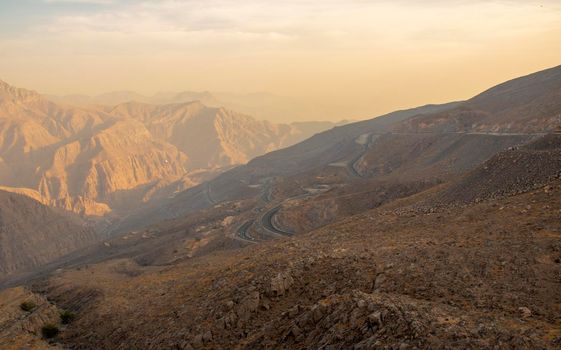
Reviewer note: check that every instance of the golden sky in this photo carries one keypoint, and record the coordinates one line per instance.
(372, 56)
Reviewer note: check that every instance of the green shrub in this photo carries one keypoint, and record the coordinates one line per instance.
(66, 317)
(27, 306)
(49, 330)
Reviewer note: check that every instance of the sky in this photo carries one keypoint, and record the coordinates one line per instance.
(363, 57)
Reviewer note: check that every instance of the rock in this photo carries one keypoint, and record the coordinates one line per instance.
(249, 304)
(187, 346)
(524, 312)
(280, 284)
(293, 312)
(265, 304)
(375, 318)
(296, 331)
(197, 341)
(380, 279)
(317, 313)
(207, 336)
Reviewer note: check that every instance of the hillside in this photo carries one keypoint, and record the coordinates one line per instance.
(437, 280)
(365, 236)
(430, 143)
(32, 234)
(528, 104)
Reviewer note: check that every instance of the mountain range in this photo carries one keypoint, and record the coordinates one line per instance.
(435, 227)
(261, 105)
(98, 160)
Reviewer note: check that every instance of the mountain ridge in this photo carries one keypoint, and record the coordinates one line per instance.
(96, 160)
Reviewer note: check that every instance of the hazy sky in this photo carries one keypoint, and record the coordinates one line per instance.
(378, 55)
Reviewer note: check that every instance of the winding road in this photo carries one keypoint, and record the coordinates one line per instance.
(268, 223)
(267, 220)
(243, 232)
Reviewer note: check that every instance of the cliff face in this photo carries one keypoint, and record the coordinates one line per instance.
(81, 160)
(32, 234)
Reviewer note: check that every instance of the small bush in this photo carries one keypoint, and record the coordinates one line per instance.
(27, 306)
(49, 330)
(66, 317)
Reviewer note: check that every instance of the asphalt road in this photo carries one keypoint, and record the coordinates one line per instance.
(268, 223)
(243, 232)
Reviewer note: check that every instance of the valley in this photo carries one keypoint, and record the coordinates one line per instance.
(297, 175)
(433, 227)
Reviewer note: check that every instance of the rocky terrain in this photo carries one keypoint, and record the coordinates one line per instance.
(445, 279)
(431, 228)
(32, 234)
(20, 329)
(527, 104)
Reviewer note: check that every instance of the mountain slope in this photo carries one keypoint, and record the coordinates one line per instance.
(426, 144)
(438, 280)
(32, 234)
(529, 104)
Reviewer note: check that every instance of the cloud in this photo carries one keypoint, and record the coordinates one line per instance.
(102, 2)
(253, 42)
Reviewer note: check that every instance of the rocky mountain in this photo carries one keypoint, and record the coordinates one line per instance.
(263, 106)
(82, 160)
(414, 230)
(214, 137)
(97, 161)
(32, 234)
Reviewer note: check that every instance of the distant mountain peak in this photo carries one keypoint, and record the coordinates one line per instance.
(14, 94)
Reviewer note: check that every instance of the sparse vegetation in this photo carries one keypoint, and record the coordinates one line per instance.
(50, 330)
(66, 316)
(27, 306)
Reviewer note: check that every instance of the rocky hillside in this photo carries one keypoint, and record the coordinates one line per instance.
(446, 279)
(527, 104)
(20, 329)
(507, 173)
(32, 234)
